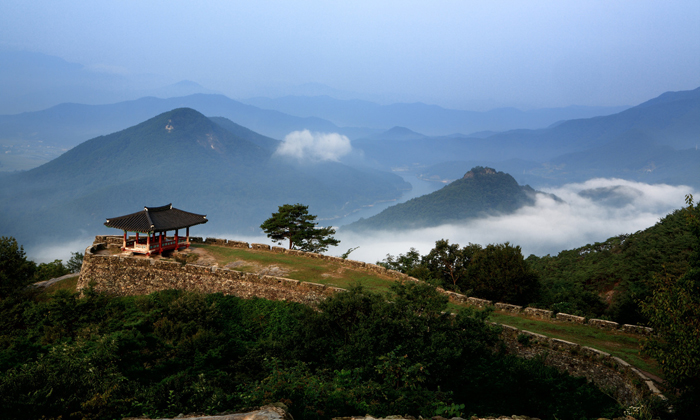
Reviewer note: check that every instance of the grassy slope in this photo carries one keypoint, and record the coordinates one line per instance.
(303, 269)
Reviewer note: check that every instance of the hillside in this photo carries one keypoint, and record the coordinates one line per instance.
(45, 134)
(481, 191)
(429, 119)
(185, 158)
(611, 277)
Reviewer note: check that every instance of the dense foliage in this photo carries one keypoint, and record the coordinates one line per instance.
(674, 312)
(482, 191)
(293, 223)
(621, 270)
(177, 352)
(496, 272)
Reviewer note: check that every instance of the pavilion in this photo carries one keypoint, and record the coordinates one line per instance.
(155, 222)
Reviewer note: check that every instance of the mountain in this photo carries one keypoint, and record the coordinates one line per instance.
(430, 119)
(653, 142)
(398, 133)
(620, 270)
(480, 192)
(185, 158)
(43, 135)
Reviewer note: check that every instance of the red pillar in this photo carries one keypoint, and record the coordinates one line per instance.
(148, 244)
(176, 244)
(160, 242)
(188, 236)
(124, 244)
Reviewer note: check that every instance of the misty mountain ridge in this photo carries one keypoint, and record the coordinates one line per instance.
(432, 120)
(183, 157)
(398, 133)
(479, 193)
(653, 142)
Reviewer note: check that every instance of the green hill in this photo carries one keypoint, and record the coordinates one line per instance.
(482, 191)
(610, 278)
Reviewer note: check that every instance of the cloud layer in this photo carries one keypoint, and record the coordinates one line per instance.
(305, 145)
(590, 212)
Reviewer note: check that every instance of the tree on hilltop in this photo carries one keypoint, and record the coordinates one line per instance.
(293, 222)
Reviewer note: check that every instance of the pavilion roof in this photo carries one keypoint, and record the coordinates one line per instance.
(156, 219)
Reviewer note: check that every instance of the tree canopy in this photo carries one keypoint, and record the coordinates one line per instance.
(497, 272)
(293, 222)
(674, 312)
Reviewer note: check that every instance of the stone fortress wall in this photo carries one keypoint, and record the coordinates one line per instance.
(124, 275)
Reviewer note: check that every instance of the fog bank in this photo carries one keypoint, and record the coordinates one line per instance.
(590, 212)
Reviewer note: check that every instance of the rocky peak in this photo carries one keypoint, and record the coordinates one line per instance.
(479, 170)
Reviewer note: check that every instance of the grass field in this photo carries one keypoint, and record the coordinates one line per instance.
(303, 269)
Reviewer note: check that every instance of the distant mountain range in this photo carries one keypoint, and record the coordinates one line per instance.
(653, 142)
(217, 168)
(480, 192)
(431, 120)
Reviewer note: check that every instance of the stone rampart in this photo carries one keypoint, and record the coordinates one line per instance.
(454, 297)
(610, 374)
(122, 275)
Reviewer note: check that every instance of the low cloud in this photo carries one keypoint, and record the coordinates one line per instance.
(305, 145)
(590, 212)
(48, 251)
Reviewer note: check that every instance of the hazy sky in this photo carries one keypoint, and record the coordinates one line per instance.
(464, 54)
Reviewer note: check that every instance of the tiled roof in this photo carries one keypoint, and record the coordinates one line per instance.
(156, 219)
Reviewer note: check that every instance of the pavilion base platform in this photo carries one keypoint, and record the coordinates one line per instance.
(154, 246)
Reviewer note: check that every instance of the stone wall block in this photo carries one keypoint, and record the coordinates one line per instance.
(237, 244)
(506, 307)
(262, 247)
(570, 318)
(278, 249)
(601, 323)
(538, 313)
(481, 303)
(637, 329)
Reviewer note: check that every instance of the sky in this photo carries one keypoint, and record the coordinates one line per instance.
(474, 55)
